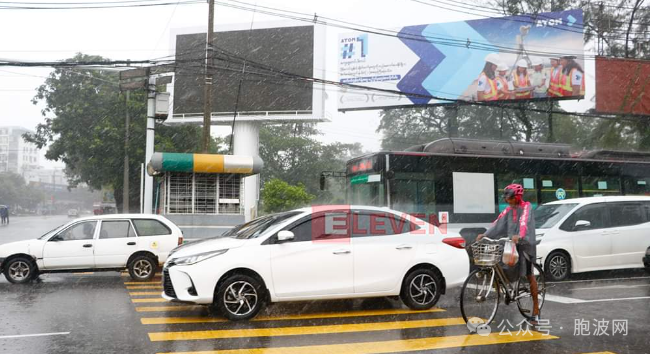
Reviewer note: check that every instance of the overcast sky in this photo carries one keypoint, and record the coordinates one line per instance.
(144, 33)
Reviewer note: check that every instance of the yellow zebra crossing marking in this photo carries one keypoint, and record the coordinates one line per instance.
(140, 293)
(141, 282)
(292, 331)
(149, 300)
(405, 345)
(182, 320)
(136, 287)
(168, 308)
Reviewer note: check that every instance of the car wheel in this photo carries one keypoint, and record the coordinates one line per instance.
(142, 268)
(239, 297)
(421, 289)
(20, 270)
(558, 266)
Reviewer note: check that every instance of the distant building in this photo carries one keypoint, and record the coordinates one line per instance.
(47, 179)
(17, 155)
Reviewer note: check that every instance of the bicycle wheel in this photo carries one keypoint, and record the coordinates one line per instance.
(479, 297)
(524, 297)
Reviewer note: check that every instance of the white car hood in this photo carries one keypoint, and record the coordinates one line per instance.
(207, 245)
(32, 247)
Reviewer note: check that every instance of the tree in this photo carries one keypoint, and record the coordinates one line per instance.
(15, 193)
(279, 195)
(292, 154)
(84, 127)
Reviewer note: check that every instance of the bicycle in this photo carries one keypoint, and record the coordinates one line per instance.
(479, 297)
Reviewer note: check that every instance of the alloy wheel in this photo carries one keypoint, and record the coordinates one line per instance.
(558, 267)
(19, 271)
(142, 268)
(240, 298)
(422, 289)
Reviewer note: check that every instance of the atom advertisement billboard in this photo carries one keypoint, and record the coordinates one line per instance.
(524, 57)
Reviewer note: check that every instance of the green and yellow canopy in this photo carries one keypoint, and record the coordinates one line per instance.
(203, 163)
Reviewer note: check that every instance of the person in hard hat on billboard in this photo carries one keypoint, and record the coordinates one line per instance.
(521, 81)
(503, 86)
(572, 81)
(554, 78)
(487, 86)
(538, 79)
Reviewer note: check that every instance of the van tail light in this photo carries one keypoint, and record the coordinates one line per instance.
(180, 240)
(457, 242)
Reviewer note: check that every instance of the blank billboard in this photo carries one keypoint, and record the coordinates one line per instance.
(622, 86)
(267, 51)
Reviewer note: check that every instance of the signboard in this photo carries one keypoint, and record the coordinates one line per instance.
(622, 86)
(450, 61)
(266, 86)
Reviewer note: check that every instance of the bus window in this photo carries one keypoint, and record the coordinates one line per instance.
(528, 182)
(365, 193)
(636, 185)
(413, 193)
(553, 187)
(600, 186)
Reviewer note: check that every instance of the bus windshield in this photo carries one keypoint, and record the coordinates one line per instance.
(546, 216)
(371, 194)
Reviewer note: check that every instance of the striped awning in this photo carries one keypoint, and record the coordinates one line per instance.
(203, 163)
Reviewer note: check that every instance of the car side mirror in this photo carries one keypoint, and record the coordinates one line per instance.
(581, 225)
(285, 235)
(56, 238)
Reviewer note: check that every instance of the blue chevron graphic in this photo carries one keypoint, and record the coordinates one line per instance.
(429, 56)
(461, 65)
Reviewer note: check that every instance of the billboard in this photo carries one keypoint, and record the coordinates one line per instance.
(264, 91)
(622, 86)
(491, 59)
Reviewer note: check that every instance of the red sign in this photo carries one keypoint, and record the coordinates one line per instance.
(622, 86)
(363, 165)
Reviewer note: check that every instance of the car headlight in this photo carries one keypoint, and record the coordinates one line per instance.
(198, 257)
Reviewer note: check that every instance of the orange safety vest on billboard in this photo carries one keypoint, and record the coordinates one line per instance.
(503, 93)
(493, 94)
(554, 85)
(518, 84)
(566, 86)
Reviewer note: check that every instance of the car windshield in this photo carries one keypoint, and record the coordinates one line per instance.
(255, 228)
(50, 233)
(546, 216)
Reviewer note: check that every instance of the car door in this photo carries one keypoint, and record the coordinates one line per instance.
(154, 236)
(318, 262)
(383, 246)
(630, 233)
(592, 245)
(71, 248)
(115, 243)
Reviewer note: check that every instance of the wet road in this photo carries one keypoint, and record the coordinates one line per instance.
(26, 227)
(106, 313)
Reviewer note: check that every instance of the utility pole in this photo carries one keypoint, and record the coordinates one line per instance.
(125, 188)
(125, 183)
(151, 124)
(207, 90)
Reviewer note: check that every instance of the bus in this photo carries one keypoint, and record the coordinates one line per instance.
(460, 181)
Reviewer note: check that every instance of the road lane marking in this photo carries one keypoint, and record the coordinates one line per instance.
(84, 273)
(141, 282)
(139, 293)
(562, 299)
(168, 308)
(148, 300)
(420, 344)
(35, 335)
(136, 287)
(592, 280)
(613, 287)
(179, 320)
(294, 331)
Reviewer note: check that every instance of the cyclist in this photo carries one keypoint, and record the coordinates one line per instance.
(517, 220)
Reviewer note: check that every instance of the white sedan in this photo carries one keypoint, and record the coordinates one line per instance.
(314, 254)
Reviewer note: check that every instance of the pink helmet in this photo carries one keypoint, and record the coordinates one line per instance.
(513, 190)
